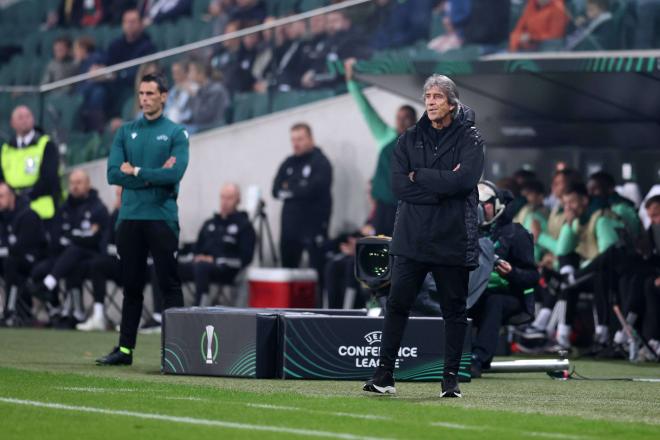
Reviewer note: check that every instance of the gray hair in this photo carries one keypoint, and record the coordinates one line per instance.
(447, 86)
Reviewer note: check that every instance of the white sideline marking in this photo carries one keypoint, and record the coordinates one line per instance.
(294, 408)
(188, 420)
(196, 399)
(555, 435)
(97, 390)
(454, 426)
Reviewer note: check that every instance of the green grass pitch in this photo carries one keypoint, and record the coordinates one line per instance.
(50, 389)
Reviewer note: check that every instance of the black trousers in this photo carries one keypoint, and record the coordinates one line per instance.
(489, 314)
(384, 216)
(407, 278)
(101, 269)
(599, 277)
(651, 319)
(135, 240)
(16, 271)
(292, 247)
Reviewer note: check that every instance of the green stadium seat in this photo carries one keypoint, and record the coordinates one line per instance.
(249, 105)
(286, 100)
(199, 8)
(62, 111)
(308, 5)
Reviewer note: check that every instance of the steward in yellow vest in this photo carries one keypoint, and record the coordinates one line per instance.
(29, 164)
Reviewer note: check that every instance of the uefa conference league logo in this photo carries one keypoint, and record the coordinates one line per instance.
(209, 345)
(366, 356)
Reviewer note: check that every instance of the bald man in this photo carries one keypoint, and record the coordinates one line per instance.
(75, 239)
(29, 164)
(224, 246)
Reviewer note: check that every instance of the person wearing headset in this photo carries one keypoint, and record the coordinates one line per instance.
(508, 298)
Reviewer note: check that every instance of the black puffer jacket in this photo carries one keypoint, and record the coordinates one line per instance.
(436, 219)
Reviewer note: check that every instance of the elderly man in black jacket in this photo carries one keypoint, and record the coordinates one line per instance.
(436, 166)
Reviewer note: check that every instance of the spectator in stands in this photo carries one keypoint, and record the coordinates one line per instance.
(30, 164)
(588, 233)
(94, 92)
(210, 100)
(225, 245)
(647, 30)
(23, 241)
(62, 65)
(114, 11)
(218, 14)
(303, 183)
(601, 186)
(508, 297)
(159, 11)
(225, 54)
(598, 32)
(289, 61)
(248, 12)
(542, 22)
(75, 238)
(534, 215)
(386, 138)
(132, 44)
(248, 71)
(78, 13)
(177, 107)
(402, 23)
(343, 41)
(315, 45)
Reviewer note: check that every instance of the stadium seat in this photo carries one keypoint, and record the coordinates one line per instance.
(61, 112)
(308, 5)
(285, 100)
(249, 105)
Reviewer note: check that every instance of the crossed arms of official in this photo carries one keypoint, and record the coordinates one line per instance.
(123, 173)
(428, 186)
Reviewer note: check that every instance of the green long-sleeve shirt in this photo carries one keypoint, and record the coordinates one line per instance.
(386, 137)
(152, 194)
(605, 234)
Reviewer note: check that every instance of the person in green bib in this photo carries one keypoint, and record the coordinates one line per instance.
(586, 241)
(148, 159)
(29, 164)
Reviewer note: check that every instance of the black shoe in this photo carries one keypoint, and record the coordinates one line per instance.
(450, 386)
(150, 327)
(382, 382)
(115, 357)
(475, 369)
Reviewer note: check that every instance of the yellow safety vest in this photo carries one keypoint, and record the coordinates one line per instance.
(21, 166)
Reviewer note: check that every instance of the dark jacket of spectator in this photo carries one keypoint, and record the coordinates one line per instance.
(403, 23)
(73, 223)
(488, 22)
(77, 13)
(22, 233)
(230, 241)
(303, 183)
(436, 220)
(121, 50)
(208, 105)
(250, 14)
(159, 11)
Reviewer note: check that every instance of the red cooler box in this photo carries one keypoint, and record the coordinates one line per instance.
(282, 288)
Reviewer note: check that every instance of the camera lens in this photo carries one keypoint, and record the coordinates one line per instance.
(374, 260)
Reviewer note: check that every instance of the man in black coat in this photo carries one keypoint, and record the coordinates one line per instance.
(224, 246)
(22, 242)
(303, 183)
(509, 295)
(75, 238)
(435, 170)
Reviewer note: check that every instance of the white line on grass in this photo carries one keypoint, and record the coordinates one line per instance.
(330, 413)
(188, 420)
(97, 390)
(554, 435)
(455, 426)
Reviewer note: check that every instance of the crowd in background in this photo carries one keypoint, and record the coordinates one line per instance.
(300, 55)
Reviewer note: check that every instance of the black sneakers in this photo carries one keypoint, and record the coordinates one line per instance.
(382, 382)
(115, 357)
(450, 386)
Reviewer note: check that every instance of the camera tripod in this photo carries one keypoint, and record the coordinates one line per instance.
(262, 225)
